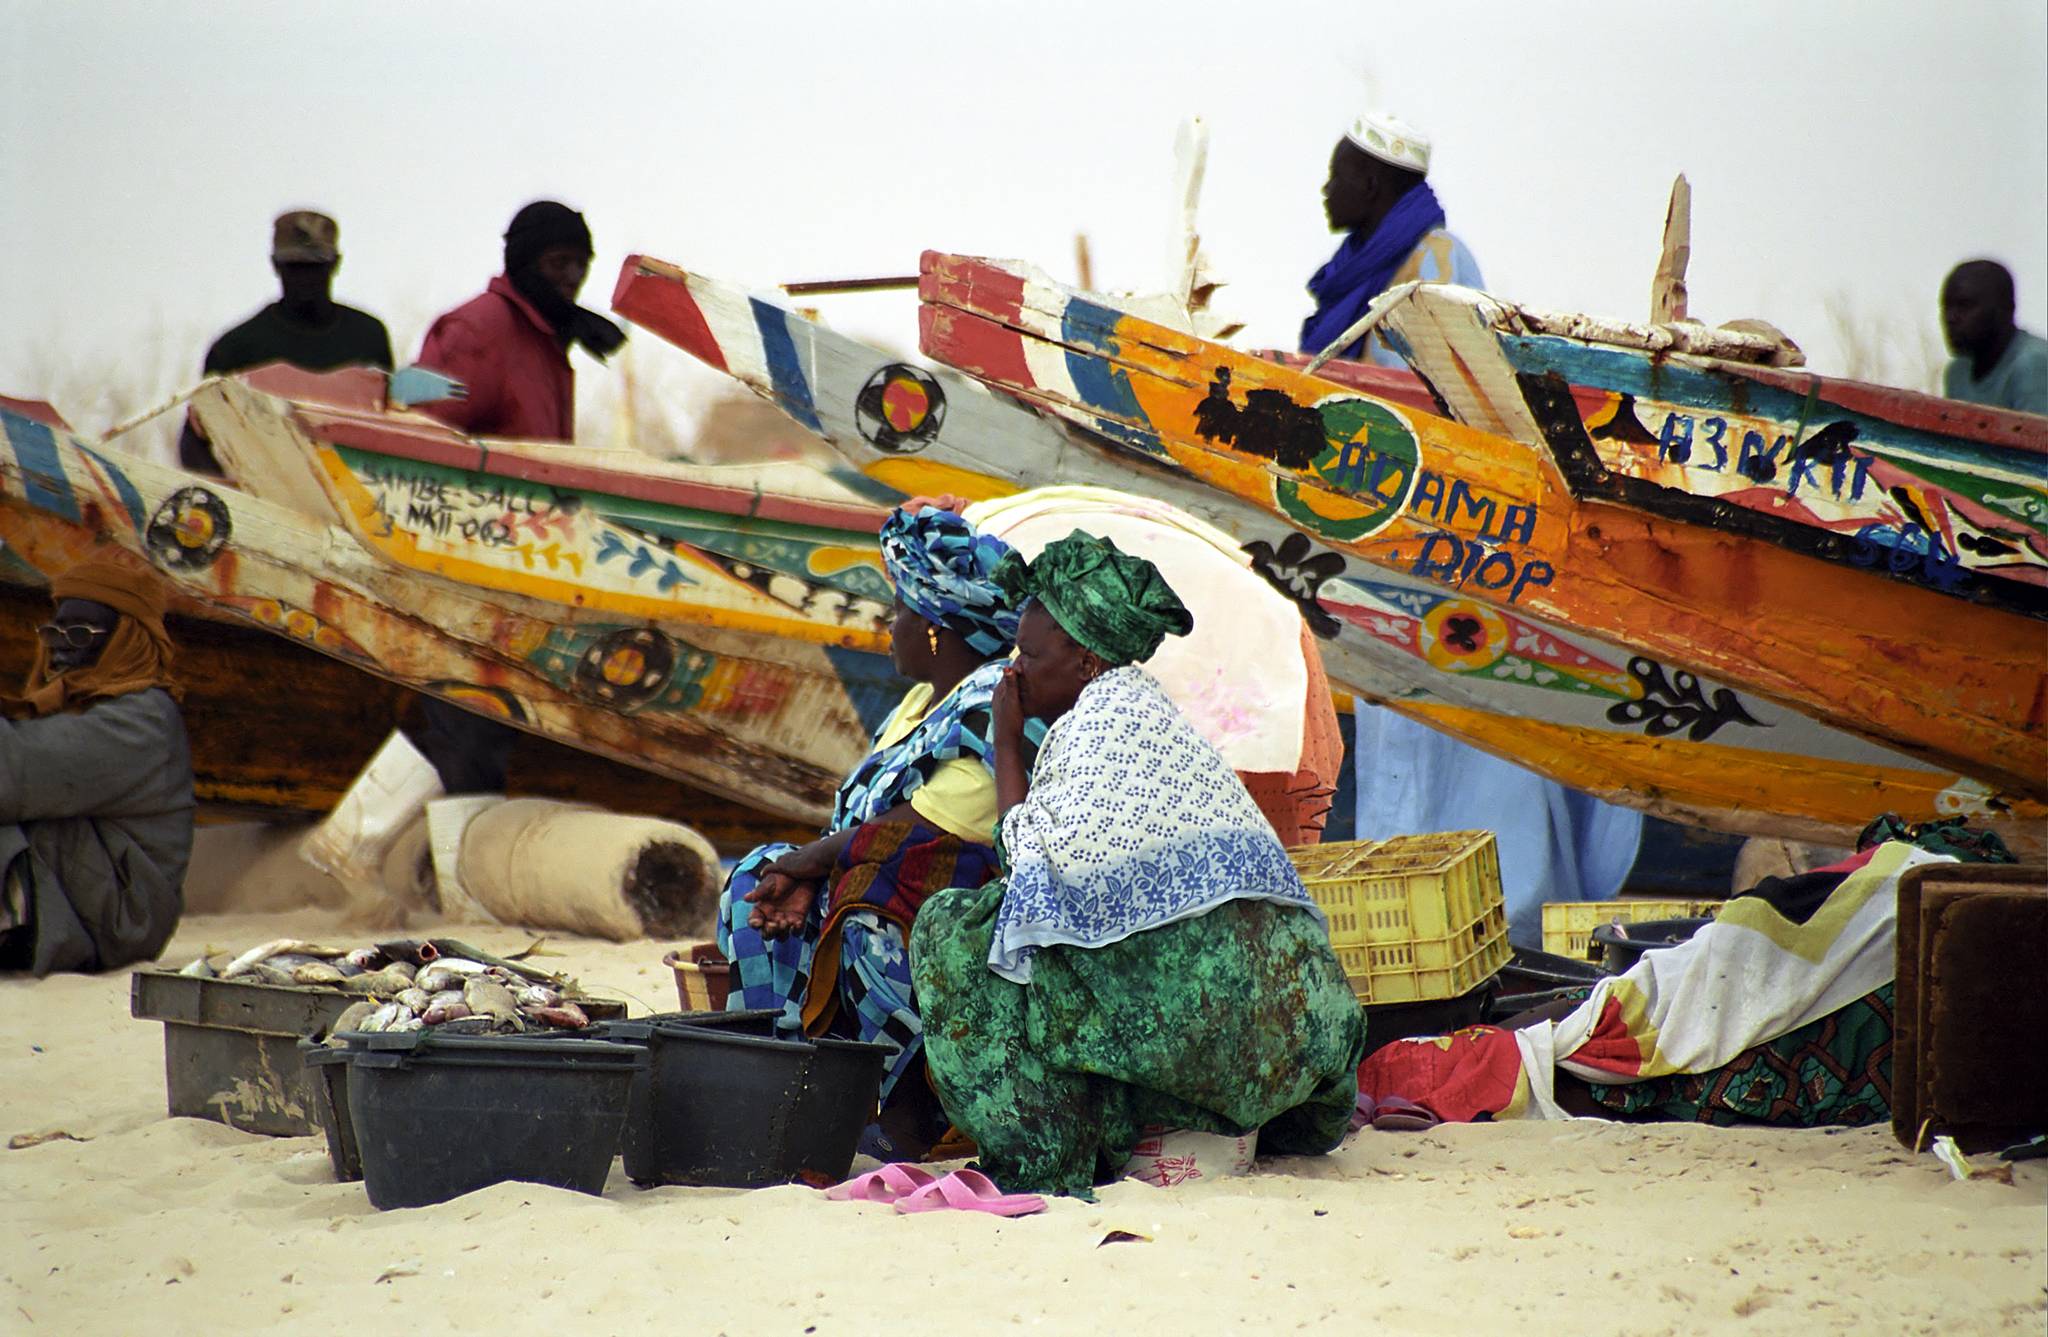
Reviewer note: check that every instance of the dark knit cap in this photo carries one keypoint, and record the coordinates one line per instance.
(538, 226)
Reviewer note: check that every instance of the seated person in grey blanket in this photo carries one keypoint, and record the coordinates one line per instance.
(95, 782)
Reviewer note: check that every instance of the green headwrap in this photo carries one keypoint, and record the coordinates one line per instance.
(1110, 602)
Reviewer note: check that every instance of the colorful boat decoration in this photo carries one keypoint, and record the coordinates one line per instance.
(773, 549)
(1592, 713)
(1957, 683)
(252, 761)
(769, 708)
(1946, 496)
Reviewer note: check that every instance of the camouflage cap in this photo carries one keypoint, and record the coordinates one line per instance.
(304, 236)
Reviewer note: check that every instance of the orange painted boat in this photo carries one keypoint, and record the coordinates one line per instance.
(1598, 714)
(1949, 681)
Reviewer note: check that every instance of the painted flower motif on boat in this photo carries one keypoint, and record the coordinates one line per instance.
(1461, 636)
(1468, 639)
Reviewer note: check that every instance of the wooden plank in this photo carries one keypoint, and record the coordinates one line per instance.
(818, 287)
(1954, 683)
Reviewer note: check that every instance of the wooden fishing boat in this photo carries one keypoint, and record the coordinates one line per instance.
(1698, 426)
(548, 587)
(1599, 713)
(252, 760)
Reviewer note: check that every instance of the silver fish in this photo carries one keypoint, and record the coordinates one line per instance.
(317, 973)
(384, 1018)
(537, 995)
(439, 1012)
(385, 983)
(202, 969)
(415, 998)
(566, 1015)
(278, 947)
(351, 1019)
(488, 998)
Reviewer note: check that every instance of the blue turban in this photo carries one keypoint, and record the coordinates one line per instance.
(941, 567)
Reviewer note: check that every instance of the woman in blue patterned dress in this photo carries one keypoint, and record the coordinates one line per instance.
(818, 931)
(1149, 956)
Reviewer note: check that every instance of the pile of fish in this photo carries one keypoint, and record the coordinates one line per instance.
(411, 984)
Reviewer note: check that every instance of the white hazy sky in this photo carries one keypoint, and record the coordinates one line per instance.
(1842, 155)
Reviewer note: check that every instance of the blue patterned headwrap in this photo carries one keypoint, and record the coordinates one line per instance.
(940, 566)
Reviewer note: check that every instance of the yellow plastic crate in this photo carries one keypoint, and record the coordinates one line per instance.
(1568, 925)
(1414, 918)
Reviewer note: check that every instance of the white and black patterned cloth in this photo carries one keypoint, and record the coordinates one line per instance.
(1133, 821)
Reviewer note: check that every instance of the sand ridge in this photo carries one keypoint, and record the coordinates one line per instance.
(183, 1226)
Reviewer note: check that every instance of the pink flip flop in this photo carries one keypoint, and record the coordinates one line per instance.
(887, 1184)
(969, 1191)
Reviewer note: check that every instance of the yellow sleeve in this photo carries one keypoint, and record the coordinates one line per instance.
(960, 798)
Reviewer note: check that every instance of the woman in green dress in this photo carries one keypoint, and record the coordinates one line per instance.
(1149, 956)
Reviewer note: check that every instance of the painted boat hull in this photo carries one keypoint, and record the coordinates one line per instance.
(1939, 495)
(1955, 683)
(1556, 699)
(769, 720)
(278, 731)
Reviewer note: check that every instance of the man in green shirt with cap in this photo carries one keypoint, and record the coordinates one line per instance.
(305, 327)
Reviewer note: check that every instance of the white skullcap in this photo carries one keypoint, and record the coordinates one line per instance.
(1391, 139)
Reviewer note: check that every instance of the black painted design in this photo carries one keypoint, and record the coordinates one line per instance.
(1624, 426)
(1298, 571)
(1826, 449)
(627, 668)
(189, 530)
(900, 409)
(1550, 401)
(1462, 633)
(1678, 702)
(1269, 425)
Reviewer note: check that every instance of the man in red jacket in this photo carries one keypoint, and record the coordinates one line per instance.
(510, 346)
(510, 349)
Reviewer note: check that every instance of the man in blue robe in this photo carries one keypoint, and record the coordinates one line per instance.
(1556, 844)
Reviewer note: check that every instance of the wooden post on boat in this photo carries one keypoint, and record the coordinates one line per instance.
(1667, 290)
(1084, 263)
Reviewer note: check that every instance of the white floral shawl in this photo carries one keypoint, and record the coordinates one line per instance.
(1133, 821)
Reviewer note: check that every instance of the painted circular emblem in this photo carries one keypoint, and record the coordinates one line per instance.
(627, 668)
(1366, 471)
(1459, 636)
(900, 409)
(189, 529)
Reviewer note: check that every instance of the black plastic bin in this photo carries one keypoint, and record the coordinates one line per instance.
(1533, 979)
(1623, 945)
(726, 1107)
(230, 1048)
(435, 1117)
(1387, 1022)
(327, 1085)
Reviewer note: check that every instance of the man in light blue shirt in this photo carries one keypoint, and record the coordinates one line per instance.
(1997, 363)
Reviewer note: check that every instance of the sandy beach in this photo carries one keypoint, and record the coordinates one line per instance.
(184, 1226)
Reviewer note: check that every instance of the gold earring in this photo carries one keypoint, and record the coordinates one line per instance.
(932, 634)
